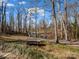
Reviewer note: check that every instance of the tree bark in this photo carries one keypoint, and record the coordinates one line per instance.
(55, 21)
(65, 20)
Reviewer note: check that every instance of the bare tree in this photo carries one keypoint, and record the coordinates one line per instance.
(19, 18)
(75, 14)
(3, 17)
(30, 24)
(54, 21)
(44, 21)
(59, 20)
(0, 13)
(36, 17)
(25, 23)
(65, 20)
(11, 21)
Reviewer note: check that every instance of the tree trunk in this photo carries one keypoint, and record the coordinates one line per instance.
(65, 20)
(55, 22)
(3, 27)
(36, 19)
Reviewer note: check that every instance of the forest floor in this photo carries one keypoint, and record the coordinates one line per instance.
(20, 50)
(25, 38)
(14, 50)
(13, 37)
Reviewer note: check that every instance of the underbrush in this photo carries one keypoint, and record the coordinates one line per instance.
(23, 51)
(20, 50)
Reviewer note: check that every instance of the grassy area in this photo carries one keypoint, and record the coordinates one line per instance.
(51, 51)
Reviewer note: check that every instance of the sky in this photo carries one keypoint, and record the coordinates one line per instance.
(13, 5)
(44, 7)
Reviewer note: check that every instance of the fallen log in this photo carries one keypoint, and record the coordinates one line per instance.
(36, 43)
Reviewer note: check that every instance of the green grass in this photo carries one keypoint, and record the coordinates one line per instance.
(24, 51)
(66, 47)
(53, 51)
